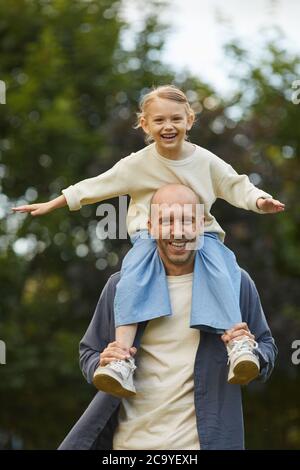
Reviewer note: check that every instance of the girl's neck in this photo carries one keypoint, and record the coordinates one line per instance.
(184, 150)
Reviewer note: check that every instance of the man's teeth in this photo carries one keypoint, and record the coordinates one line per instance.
(178, 244)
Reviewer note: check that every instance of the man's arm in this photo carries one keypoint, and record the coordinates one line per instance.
(101, 330)
(253, 315)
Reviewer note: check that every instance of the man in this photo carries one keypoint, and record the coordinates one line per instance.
(183, 398)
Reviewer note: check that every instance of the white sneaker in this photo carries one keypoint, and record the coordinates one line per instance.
(116, 378)
(243, 363)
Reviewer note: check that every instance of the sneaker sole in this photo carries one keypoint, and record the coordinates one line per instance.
(107, 383)
(243, 373)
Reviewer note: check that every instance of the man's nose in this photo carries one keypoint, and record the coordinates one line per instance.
(177, 230)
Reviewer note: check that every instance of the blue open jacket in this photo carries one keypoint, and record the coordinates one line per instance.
(218, 404)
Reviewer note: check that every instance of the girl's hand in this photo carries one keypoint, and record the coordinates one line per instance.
(35, 209)
(270, 205)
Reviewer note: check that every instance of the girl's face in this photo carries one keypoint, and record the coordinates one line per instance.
(167, 122)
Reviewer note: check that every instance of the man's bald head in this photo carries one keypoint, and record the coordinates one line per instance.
(175, 194)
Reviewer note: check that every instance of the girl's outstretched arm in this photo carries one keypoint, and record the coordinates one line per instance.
(239, 191)
(112, 183)
(43, 207)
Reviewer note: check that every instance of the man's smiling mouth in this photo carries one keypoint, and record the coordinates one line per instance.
(178, 244)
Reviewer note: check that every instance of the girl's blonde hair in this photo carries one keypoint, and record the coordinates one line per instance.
(169, 92)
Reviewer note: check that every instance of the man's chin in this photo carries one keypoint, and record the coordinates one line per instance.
(180, 258)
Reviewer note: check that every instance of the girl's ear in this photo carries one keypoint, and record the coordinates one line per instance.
(144, 125)
(191, 120)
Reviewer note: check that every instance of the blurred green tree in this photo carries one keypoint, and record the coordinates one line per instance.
(72, 86)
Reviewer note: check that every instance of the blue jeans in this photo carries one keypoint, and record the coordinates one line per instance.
(142, 292)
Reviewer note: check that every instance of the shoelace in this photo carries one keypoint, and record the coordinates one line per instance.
(241, 346)
(123, 367)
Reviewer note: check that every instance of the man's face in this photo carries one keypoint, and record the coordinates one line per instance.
(176, 228)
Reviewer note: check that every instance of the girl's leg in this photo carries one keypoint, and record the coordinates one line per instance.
(142, 291)
(216, 287)
(216, 307)
(141, 295)
(125, 335)
(116, 377)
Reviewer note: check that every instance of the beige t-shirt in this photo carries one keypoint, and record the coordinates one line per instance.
(141, 173)
(162, 414)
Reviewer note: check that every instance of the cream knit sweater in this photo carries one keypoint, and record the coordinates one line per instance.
(141, 173)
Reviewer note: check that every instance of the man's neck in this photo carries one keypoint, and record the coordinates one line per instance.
(179, 270)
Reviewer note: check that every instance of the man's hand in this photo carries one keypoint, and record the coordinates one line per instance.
(237, 332)
(35, 209)
(115, 351)
(270, 205)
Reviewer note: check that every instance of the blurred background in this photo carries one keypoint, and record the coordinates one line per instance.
(74, 72)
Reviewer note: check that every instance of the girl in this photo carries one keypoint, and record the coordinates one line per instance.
(166, 116)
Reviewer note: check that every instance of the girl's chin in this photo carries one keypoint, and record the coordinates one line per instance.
(174, 142)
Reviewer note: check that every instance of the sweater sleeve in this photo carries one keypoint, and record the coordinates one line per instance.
(112, 183)
(234, 188)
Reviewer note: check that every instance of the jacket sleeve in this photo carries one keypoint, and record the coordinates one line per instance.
(234, 188)
(101, 331)
(253, 315)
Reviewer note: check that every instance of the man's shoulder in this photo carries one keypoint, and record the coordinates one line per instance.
(113, 281)
(248, 291)
(247, 283)
(246, 279)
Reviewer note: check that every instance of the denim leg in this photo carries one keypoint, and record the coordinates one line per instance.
(142, 292)
(216, 287)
